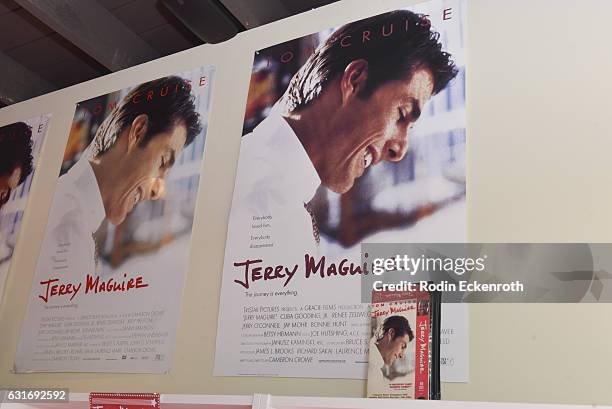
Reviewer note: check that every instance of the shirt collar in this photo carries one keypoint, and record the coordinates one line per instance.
(375, 358)
(290, 157)
(89, 196)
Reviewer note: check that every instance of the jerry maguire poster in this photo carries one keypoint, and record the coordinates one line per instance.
(352, 134)
(107, 289)
(20, 147)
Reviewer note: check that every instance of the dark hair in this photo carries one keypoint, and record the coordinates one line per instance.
(400, 326)
(16, 149)
(167, 102)
(394, 44)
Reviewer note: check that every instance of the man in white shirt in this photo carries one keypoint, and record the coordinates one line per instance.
(16, 164)
(125, 164)
(386, 346)
(15, 158)
(349, 107)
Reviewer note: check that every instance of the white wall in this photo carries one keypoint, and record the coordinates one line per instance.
(539, 170)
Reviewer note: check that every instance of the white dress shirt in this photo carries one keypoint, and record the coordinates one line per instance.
(377, 369)
(275, 178)
(76, 213)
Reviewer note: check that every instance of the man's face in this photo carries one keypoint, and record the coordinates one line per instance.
(396, 348)
(144, 170)
(369, 130)
(8, 183)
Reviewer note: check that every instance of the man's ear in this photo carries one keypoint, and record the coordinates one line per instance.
(391, 333)
(137, 131)
(354, 79)
(15, 176)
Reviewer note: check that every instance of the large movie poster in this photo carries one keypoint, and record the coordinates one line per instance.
(353, 134)
(20, 146)
(107, 289)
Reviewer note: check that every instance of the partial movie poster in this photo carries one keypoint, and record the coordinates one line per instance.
(352, 134)
(20, 147)
(107, 290)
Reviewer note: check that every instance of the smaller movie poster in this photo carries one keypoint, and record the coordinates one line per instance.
(107, 289)
(20, 147)
(403, 357)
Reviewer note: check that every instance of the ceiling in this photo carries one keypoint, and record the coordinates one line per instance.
(47, 45)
